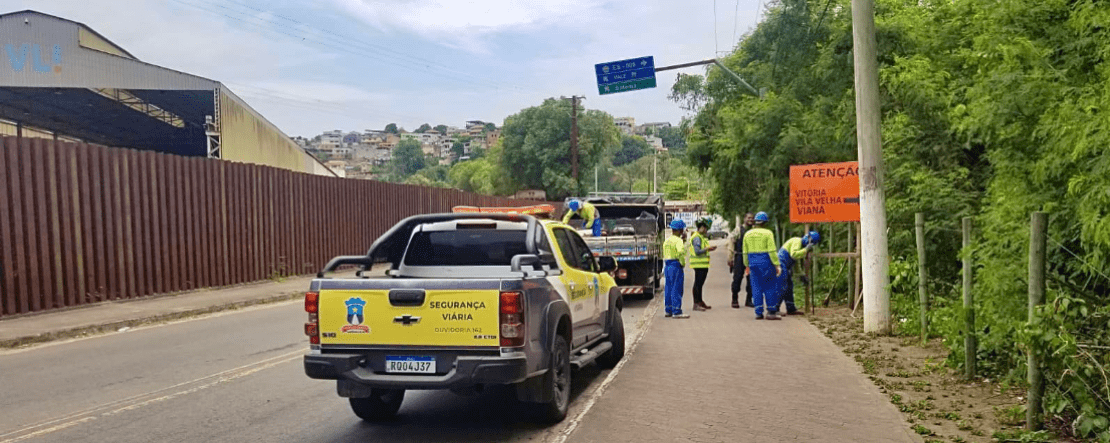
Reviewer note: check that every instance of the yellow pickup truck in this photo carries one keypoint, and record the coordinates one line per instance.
(465, 301)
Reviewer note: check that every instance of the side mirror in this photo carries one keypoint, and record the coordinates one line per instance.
(547, 258)
(519, 261)
(607, 264)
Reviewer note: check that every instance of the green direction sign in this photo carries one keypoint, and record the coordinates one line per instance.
(626, 86)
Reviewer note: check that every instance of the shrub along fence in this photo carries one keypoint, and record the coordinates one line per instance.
(82, 223)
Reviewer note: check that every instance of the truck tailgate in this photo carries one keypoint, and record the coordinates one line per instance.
(414, 317)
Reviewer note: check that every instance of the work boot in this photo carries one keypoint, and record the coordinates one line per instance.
(772, 316)
(669, 315)
(735, 305)
(699, 307)
(681, 316)
(796, 313)
(759, 317)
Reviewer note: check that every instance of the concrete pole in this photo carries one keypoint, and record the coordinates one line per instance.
(654, 171)
(1038, 234)
(876, 268)
(923, 297)
(970, 348)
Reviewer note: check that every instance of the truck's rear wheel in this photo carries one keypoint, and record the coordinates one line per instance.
(558, 384)
(616, 337)
(382, 404)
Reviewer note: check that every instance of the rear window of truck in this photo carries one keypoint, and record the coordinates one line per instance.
(465, 247)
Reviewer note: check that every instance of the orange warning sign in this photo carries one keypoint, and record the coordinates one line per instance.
(824, 192)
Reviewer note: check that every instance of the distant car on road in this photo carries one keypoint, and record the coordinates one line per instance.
(717, 233)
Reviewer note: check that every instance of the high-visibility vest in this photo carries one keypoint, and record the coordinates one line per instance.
(699, 261)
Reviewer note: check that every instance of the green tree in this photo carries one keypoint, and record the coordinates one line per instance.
(423, 128)
(442, 129)
(408, 158)
(673, 138)
(392, 128)
(537, 146)
(490, 127)
(631, 149)
(458, 149)
(483, 175)
(990, 109)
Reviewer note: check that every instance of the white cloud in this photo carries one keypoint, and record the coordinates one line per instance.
(466, 24)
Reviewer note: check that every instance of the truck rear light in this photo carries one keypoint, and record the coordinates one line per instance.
(622, 274)
(312, 307)
(512, 319)
(312, 302)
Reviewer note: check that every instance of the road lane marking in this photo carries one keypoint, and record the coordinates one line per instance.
(152, 325)
(138, 401)
(650, 313)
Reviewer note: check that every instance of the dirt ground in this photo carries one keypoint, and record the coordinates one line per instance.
(938, 402)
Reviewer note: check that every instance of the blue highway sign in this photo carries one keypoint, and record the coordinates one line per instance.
(625, 75)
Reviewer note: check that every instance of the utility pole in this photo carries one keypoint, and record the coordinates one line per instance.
(574, 137)
(876, 299)
(654, 171)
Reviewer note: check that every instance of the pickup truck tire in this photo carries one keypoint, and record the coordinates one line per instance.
(382, 404)
(616, 337)
(558, 383)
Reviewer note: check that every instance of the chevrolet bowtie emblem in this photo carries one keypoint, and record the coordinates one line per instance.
(406, 319)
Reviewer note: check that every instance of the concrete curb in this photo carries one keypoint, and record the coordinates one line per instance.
(104, 328)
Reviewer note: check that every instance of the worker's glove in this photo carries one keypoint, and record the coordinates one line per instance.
(730, 268)
(805, 280)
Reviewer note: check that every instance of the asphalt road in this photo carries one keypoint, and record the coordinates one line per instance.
(235, 377)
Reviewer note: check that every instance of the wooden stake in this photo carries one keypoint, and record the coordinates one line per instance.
(851, 269)
(969, 305)
(923, 298)
(1038, 228)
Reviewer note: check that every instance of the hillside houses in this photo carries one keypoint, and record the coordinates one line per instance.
(358, 153)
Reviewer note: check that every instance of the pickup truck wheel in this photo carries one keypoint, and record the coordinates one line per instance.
(558, 383)
(382, 404)
(616, 337)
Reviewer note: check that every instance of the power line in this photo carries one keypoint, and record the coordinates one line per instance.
(358, 48)
(715, 49)
(346, 39)
(735, 21)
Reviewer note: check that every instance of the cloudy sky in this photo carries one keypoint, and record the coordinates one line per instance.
(315, 65)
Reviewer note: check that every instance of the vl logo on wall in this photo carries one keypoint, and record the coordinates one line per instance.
(18, 57)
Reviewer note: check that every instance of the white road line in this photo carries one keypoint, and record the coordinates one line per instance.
(155, 324)
(650, 314)
(145, 399)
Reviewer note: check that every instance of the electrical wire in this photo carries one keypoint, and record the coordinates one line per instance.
(715, 49)
(358, 48)
(735, 21)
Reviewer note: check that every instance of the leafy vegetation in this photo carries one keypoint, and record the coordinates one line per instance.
(991, 109)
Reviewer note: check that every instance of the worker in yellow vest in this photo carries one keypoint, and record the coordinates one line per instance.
(674, 259)
(699, 260)
(762, 259)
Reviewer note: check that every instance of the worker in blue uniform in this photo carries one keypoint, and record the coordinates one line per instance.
(588, 213)
(674, 260)
(762, 259)
(793, 250)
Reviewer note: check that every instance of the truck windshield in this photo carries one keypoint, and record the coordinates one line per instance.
(465, 247)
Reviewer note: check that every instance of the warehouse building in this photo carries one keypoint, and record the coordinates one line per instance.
(61, 79)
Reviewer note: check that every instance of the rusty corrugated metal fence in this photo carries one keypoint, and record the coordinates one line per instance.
(82, 223)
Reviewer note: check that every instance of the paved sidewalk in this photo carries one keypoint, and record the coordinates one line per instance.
(722, 376)
(112, 315)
